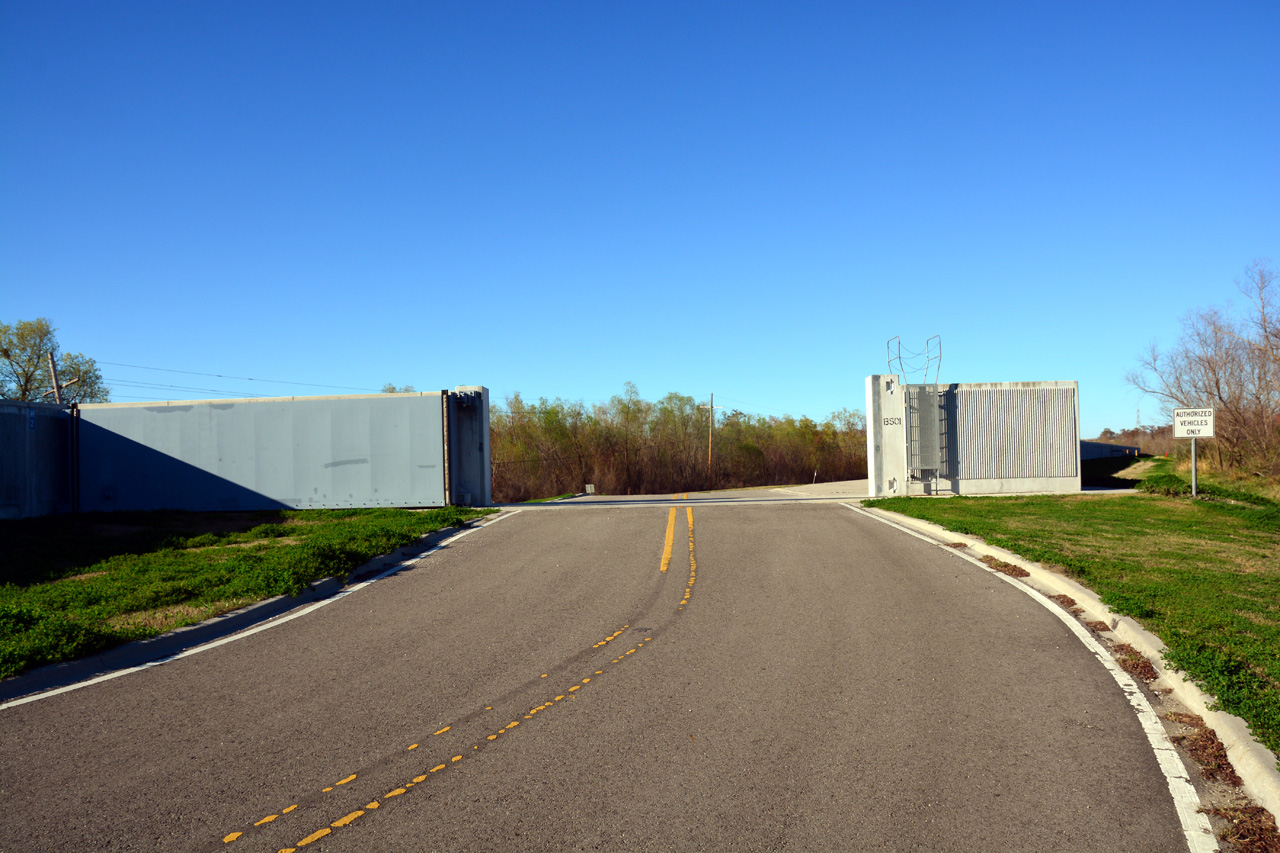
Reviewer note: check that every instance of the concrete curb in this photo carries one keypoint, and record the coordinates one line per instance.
(175, 642)
(1255, 764)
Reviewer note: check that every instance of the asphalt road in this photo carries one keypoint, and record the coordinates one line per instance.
(819, 681)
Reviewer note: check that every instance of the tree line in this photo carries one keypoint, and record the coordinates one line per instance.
(633, 446)
(1150, 440)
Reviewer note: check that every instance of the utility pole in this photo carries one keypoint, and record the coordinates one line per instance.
(711, 425)
(57, 388)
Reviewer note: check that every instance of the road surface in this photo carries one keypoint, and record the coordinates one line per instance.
(647, 675)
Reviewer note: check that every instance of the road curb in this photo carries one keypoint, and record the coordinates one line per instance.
(1255, 764)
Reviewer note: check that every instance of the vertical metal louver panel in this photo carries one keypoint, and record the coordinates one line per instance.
(1007, 433)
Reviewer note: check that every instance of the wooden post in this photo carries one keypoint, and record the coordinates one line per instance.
(711, 425)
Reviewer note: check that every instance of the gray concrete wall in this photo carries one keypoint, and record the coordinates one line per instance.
(298, 452)
(35, 459)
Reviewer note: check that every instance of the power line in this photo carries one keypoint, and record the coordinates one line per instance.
(242, 378)
(158, 386)
(129, 397)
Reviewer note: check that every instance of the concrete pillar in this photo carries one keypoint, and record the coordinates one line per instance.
(886, 436)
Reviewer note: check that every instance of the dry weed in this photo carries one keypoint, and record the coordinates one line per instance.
(1132, 662)
(1006, 568)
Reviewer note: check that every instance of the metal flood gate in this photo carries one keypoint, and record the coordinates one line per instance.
(392, 450)
(972, 438)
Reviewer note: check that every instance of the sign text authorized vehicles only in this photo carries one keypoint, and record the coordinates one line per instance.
(1193, 423)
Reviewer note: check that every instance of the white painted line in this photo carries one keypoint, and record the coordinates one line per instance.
(1195, 825)
(248, 632)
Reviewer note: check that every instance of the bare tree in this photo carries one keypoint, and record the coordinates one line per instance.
(1261, 287)
(1230, 365)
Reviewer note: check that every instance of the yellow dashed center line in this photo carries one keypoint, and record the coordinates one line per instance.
(315, 836)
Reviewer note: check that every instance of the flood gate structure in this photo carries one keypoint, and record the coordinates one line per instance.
(977, 438)
(378, 450)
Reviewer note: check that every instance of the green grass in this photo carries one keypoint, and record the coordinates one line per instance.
(74, 585)
(1203, 575)
(548, 500)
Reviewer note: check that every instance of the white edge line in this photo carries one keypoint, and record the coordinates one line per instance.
(270, 623)
(1195, 824)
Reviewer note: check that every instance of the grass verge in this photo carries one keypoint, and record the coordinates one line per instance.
(75, 585)
(1203, 575)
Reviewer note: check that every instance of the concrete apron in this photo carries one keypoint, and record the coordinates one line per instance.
(1255, 764)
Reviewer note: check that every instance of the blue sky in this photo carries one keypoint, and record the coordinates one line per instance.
(556, 198)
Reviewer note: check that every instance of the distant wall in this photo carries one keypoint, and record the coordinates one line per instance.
(35, 459)
(1104, 450)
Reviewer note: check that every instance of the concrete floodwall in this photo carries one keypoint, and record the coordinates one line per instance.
(973, 438)
(35, 459)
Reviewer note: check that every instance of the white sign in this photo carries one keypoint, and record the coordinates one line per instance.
(1193, 423)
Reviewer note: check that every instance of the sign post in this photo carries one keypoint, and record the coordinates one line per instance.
(1193, 424)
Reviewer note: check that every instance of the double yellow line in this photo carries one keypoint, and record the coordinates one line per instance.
(668, 544)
